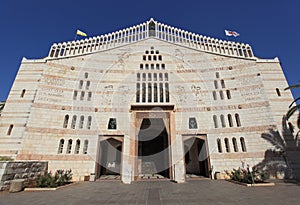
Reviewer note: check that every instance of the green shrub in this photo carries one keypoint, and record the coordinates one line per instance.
(5, 158)
(244, 176)
(60, 178)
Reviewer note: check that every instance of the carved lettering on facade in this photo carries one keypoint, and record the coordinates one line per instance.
(54, 81)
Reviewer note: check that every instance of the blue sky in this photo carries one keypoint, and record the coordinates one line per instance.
(29, 28)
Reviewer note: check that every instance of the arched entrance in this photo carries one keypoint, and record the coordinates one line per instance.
(153, 152)
(196, 157)
(110, 159)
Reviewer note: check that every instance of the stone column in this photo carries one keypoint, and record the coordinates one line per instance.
(178, 168)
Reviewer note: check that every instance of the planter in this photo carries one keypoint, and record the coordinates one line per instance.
(49, 189)
(252, 185)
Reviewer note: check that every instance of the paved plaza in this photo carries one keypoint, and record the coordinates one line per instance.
(202, 191)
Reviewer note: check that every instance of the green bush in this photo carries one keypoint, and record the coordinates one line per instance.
(60, 178)
(5, 158)
(244, 176)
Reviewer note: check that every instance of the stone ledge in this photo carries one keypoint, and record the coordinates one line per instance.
(252, 185)
(50, 189)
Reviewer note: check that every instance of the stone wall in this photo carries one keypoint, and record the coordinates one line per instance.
(20, 170)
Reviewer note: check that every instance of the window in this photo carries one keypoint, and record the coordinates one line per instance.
(221, 95)
(214, 95)
(81, 122)
(149, 91)
(80, 84)
(89, 123)
(82, 95)
(144, 76)
(85, 146)
(137, 92)
(235, 147)
(219, 145)
(10, 128)
(155, 77)
(69, 146)
(217, 74)
(161, 92)
(223, 121)
(157, 66)
(278, 92)
(61, 146)
(149, 58)
(73, 125)
(243, 144)
(77, 147)
(66, 120)
(160, 77)
(88, 83)
(22, 93)
(230, 120)
(163, 66)
(89, 96)
(155, 91)
(86, 75)
(149, 77)
(138, 76)
(222, 83)
(166, 77)
(215, 121)
(228, 94)
(144, 58)
(237, 119)
(193, 123)
(216, 84)
(112, 124)
(160, 57)
(152, 66)
(141, 66)
(167, 92)
(75, 95)
(227, 145)
(144, 92)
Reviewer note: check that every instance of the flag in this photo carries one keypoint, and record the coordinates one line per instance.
(78, 32)
(231, 33)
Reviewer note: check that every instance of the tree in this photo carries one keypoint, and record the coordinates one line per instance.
(293, 108)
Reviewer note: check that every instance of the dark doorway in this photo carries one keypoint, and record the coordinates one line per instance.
(153, 152)
(196, 159)
(110, 158)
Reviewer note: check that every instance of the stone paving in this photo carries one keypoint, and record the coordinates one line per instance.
(202, 191)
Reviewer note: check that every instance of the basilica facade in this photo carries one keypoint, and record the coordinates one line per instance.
(146, 101)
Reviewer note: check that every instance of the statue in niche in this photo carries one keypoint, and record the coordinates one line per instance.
(112, 124)
(193, 123)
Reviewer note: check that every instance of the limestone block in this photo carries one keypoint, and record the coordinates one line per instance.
(16, 185)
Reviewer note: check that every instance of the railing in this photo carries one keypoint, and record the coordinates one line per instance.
(142, 31)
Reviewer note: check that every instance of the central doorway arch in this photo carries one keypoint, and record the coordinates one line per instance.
(153, 149)
(196, 157)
